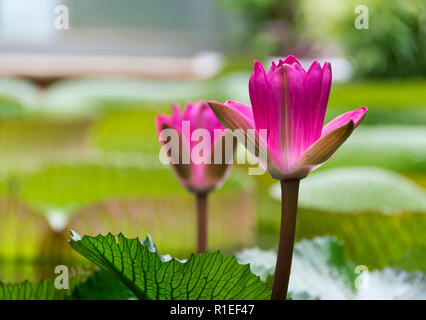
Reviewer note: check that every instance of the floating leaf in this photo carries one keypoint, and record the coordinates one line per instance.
(321, 269)
(413, 260)
(22, 230)
(173, 218)
(207, 276)
(69, 184)
(385, 207)
(43, 290)
(396, 147)
(101, 286)
(370, 238)
(359, 189)
(389, 284)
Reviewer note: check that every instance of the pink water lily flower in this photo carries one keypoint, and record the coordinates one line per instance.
(197, 178)
(290, 103)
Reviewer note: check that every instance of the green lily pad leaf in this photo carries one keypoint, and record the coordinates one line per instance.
(208, 276)
(413, 260)
(321, 269)
(359, 189)
(395, 147)
(68, 185)
(22, 231)
(390, 284)
(385, 238)
(262, 262)
(43, 290)
(101, 286)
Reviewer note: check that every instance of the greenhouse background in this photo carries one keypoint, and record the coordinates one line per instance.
(79, 148)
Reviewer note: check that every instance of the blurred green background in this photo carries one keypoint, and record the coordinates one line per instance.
(82, 153)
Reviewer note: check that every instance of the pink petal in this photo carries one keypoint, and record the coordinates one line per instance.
(233, 115)
(244, 110)
(162, 120)
(210, 123)
(323, 101)
(272, 68)
(258, 90)
(285, 114)
(322, 150)
(176, 117)
(289, 60)
(313, 86)
(317, 89)
(356, 116)
(183, 171)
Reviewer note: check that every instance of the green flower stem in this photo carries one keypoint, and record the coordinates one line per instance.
(289, 199)
(202, 222)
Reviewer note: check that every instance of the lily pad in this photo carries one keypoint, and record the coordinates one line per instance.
(396, 147)
(359, 189)
(321, 270)
(141, 268)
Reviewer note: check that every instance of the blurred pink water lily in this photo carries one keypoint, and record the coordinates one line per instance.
(199, 178)
(290, 103)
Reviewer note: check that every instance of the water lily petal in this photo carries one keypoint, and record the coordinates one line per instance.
(233, 115)
(356, 116)
(285, 115)
(258, 90)
(322, 149)
(163, 119)
(317, 90)
(323, 100)
(183, 171)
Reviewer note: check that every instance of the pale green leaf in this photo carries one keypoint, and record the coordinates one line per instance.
(43, 290)
(139, 266)
(321, 269)
(358, 189)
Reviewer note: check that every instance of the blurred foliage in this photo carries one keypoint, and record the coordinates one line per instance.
(394, 45)
(71, 184)
(78, 100)
(21, 231)
(10, 107)
(231, 220)
(392, 94)
(126, 130)
(405, 105)
(399, 148)
(114, 194)
(268, 26)
(31, 139)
